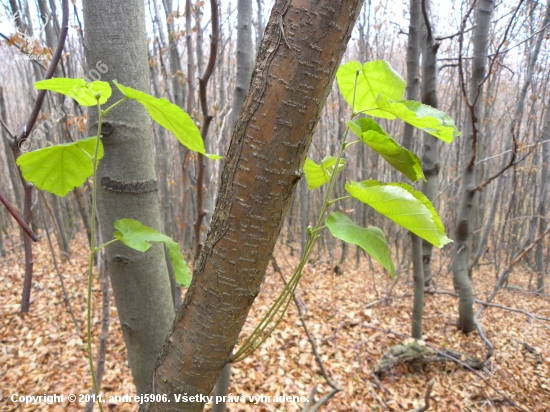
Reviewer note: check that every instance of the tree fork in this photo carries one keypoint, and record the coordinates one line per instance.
(297, 61)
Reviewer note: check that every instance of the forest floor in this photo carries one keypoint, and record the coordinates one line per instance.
(41, 353)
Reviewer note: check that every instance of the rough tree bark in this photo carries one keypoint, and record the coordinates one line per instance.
(127, 185)
(297, 61)
(462, 241)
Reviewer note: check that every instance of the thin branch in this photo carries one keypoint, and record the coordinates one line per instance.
(494, 54)
(426, 397)
(8, 131)
(451, 36)
(59, 275)
(37, 62)
(498, 52)
(335, 387)
(494, 305)
(508, 151)
(18, 218)
(49, 74)
(506, 272)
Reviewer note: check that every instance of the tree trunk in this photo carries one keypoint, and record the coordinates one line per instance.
(514, 129)
(269, 145)
(413, 83)
(542, 209)
(127, 186)
(462, 242)
(430, 148)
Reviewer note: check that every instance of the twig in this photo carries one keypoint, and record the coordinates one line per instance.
(494, 305)
(8, 131)
(506, 272)
(335, 387)
(59, 275)
(426, 398)
(48, 75)
(21, 50)
(510, 164)
(18, 218)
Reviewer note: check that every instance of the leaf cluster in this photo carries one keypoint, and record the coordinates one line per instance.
(375, 90)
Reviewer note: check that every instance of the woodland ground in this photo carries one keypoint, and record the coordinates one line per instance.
(40, 352)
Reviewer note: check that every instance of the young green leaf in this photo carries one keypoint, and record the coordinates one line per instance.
(396, 155)
(371, 240)
(83, 92)
(376, 77)
(139, 237)
(404, 205)
(318, 175)
(60, 168)
(425, 117)
(169, 116)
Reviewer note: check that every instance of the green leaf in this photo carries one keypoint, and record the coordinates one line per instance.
(60, 168)
(376, 77)
(318, 175)
(396, 155)
(432, 121)
(83, 92)
(213, 156)
(139, 237)
(371, 240)
(169, 116)
(404, 205)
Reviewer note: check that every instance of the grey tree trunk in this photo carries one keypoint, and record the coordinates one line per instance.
(514, 129)
(542, 209)
(472, 136)
(430, 148)
(268, 148)
(245, 55)
(115, 35)
(413, 83)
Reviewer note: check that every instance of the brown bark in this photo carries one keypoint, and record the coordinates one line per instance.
(292, 78)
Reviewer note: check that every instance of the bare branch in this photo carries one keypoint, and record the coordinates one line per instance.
(452, 358)
(426, 398)
(18, 218)
(49, 74)
(335, 387)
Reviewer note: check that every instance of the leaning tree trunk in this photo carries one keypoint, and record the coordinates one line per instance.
(302, 47)
(462, 242)
(127, 185)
